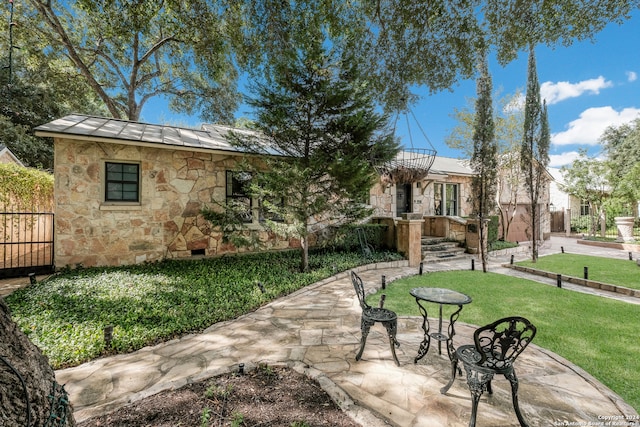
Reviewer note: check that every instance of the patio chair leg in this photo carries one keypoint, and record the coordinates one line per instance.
(475, 399)
(514, 396)
(392, 328)
(454, 368)
(477, 382)
(364, 328)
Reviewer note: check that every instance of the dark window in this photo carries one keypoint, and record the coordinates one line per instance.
(451, 199)
(267, 214)
(446, 199)
(584, 207)
(238, 195)
(122, 182)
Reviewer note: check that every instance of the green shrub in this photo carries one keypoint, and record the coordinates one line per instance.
(501, 244)
(492, 231)
(345, 237)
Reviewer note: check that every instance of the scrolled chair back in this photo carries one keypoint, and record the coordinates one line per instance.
(359, 287)
(501, 342)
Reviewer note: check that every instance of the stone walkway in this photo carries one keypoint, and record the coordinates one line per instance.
(317, 330)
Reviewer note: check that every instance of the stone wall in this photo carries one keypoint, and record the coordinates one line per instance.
(174, 186)
(383, 197)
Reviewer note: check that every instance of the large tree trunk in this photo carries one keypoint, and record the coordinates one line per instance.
(29, 395)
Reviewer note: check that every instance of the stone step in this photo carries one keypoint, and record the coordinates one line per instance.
(432, 240)
(444, 255)
(436, 249)
(439, 246)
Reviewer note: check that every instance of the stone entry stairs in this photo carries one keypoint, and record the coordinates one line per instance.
(435, 249)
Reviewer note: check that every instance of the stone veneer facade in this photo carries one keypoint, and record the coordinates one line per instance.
(383, 197)
(175, 184)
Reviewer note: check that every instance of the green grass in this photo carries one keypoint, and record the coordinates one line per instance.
(613, 271)
(65, 316)
(598, 334)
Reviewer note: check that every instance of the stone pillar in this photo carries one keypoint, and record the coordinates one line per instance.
(409, 240)
(472, 235)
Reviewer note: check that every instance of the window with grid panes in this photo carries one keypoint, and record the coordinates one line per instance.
(122, 182)
(237, 183)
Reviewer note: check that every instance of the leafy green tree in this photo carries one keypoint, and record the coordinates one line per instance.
(586, 180)
(484, 161)
(435, 43)
(420, 43)
(22, 108)
(622, 147)
(317, 114)
(508, 121)
(190, 52)
(130, 52)
(35, 88)
(534, 153)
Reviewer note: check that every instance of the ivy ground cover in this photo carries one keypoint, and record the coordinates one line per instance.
(145, 304)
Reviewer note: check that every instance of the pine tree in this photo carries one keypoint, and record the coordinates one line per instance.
(534, 153)
(318, 114)
(484, 160)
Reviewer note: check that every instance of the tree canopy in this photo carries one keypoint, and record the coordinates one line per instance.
(129, 52)
(586, 180)
(191, 52)
(622, 147)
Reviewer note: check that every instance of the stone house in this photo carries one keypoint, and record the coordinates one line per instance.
(515, 202)
(443, 192)
(128, 192)
(7, 156)
(442, 199)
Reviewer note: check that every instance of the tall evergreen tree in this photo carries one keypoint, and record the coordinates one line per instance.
(484, 161)
(318, 114)
(534, 153)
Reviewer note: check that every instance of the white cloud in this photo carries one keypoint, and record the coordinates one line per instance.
(562, 159)
(631, 76)
(587, 129)
(556, 92)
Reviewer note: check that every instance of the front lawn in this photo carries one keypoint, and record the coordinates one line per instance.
(598, 334)
(66, 315)
(607, 270)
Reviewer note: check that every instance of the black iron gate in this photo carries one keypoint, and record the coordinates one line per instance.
(26, 243)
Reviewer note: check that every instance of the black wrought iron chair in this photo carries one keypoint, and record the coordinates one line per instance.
(371, 315)
(497, 345)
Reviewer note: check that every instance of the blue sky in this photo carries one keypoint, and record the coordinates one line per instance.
(588, 86)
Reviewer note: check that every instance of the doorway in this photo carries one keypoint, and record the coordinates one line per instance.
(403, 199)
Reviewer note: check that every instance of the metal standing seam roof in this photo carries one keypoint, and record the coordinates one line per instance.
(78, 126)
(209, 137)
(450, 166)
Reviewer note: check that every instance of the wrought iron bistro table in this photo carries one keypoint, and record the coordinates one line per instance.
(441, 297)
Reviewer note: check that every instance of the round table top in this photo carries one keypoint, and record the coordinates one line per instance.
(440, 295)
